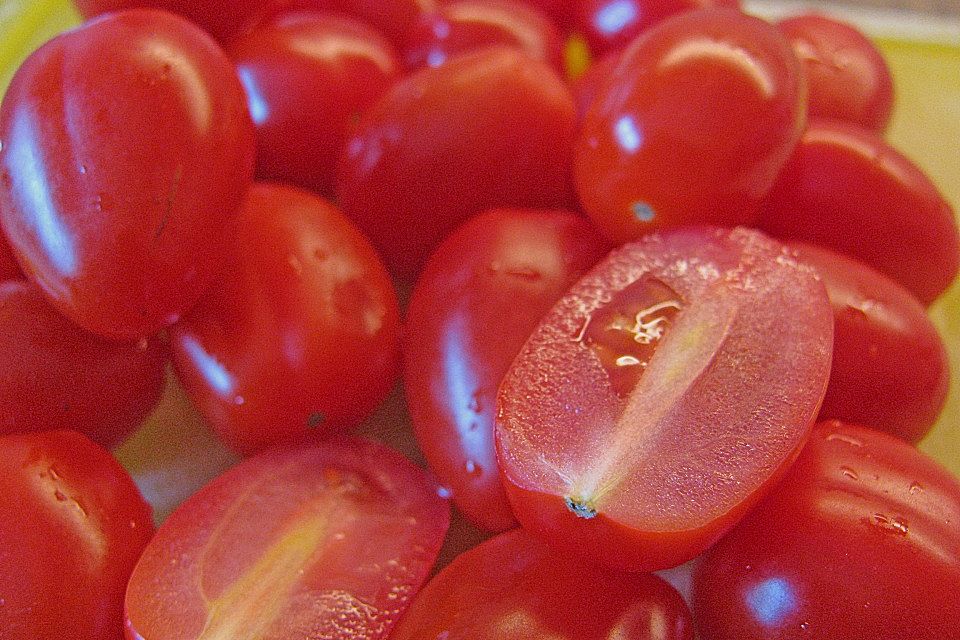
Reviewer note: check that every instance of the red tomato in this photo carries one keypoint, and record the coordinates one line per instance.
(9, 269)
(393, 18)
(848, 190)
(462, 26)
(609, 25)
(72, 526)
(859, 542)
(308, 77)
(513, 587)
(488, 129)
(890, 367)
(587, 87)
(663, 396)
(327, 541)
(693, 126)
(563, 12)
(479, 297)
(222, 20)
(54, 374)
(301, 334)
(846, 73)
(126, 150)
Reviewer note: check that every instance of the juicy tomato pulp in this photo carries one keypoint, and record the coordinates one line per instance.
(126, 151)
(692, 127)
(72, 525)
(301, 333)
(663, 395)
(515, 587)
(479, 297)
(321, 541)
(859, 542)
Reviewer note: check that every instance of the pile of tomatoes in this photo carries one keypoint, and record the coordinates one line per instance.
(670, 315)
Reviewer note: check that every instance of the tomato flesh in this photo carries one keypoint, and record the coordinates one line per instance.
(324, 540)
(663, 395)
(515, 587)
(859, 542)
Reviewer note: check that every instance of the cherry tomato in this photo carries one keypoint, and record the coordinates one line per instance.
(393, 18)
(514, 587)
(848, 190)
(859, 542)
(890, 367)
(609, 25)
(846, 73)
(9, 269)
(663, 396)
(301, 333)
(460, 26)
(488, 129)
(587, 87)
(126, 150)
(72, 526)
(54, 374)
(481, 294)
(692, 127)
(327, 540)
(308, 77)
(563, 12)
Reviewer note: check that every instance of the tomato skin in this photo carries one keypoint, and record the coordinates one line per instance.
(393, 18)
(847, 75)
(487, 129)
(846, 189)
(118, 207)
(9, 269)
(308, 76)
(609, 25)
(692, 127)
(460, 26)
(859, 542)
(324, 540)
(72, 525)
(587, 87)
(890, 367)
(300, 334)
(601, 464)
(563, 12)
(480, 295)
(514, 587)
(54, 374)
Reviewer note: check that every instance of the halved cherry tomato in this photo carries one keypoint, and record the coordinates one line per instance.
(327, 540)
(301, 333)
(127, 148)
(488, 129)
(309, 76)
(847, 76)
(861, 541)
(515, 587)
(692, 127)
(53, 374)
(460, 26)
(890, 367)
(610, 25)
(846, 189)
(663, 395)
(72, 525)
(481, 294)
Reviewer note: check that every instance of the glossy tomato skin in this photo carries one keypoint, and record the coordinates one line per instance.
(846, 189)
(563, 12)
(393, 18)
(72, 525)
(467, 25)
(480, 295)
(300, 334)
(515, 587)
(663, 396)
(890, 367)
(308, 77)
(610, 25)
(9, 269)
(847, 76)
(859, 542)
(587, 87)
(126, 151)
(488, 129)
(324, 540)
(693, 126)
(54, 374)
